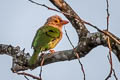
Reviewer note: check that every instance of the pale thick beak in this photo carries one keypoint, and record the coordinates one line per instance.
(64, 22)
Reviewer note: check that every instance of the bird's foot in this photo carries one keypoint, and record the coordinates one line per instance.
(52, 51)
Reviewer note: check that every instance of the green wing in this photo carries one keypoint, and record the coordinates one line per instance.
(43, 36)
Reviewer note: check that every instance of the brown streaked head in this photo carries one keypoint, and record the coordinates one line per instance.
(56, 21)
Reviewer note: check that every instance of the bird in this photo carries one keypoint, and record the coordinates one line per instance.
(47, 37)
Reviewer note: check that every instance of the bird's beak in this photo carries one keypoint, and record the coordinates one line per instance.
(64, 22)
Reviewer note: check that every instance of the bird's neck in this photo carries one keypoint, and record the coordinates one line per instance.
(55, 26)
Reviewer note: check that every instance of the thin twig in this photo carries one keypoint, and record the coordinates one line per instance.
(82, 68)
(68, 37)
(115, 74)
(108, 14)
(42, 62)
(76, 54)
(43, 5)
(40, 75)
(112, 69)
(30, 75)
(110, 60)
(109, 45)
(49, 8)
(26, 77)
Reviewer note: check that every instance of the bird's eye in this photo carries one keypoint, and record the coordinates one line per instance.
(56, 21)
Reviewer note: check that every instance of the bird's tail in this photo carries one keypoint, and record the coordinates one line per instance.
(34, 57)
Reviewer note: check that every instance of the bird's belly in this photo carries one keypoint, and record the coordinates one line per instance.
(53, 43)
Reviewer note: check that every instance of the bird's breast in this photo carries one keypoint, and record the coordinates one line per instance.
(55, 41)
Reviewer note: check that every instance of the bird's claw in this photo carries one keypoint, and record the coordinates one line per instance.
(52, 51)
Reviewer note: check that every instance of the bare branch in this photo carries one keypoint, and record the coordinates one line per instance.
(20, 58)
(110, 60)
(76, 54)
(111, 71)
(44, 6)
(30, 75)
(68, 38)
(108, 14)
(26, 77)
(49, 8)
(115, 75)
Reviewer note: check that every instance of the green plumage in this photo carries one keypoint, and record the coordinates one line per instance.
(43, 41)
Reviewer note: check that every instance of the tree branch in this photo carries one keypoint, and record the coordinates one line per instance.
(20, 58)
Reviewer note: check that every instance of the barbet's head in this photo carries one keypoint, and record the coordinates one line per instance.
(56, 21)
